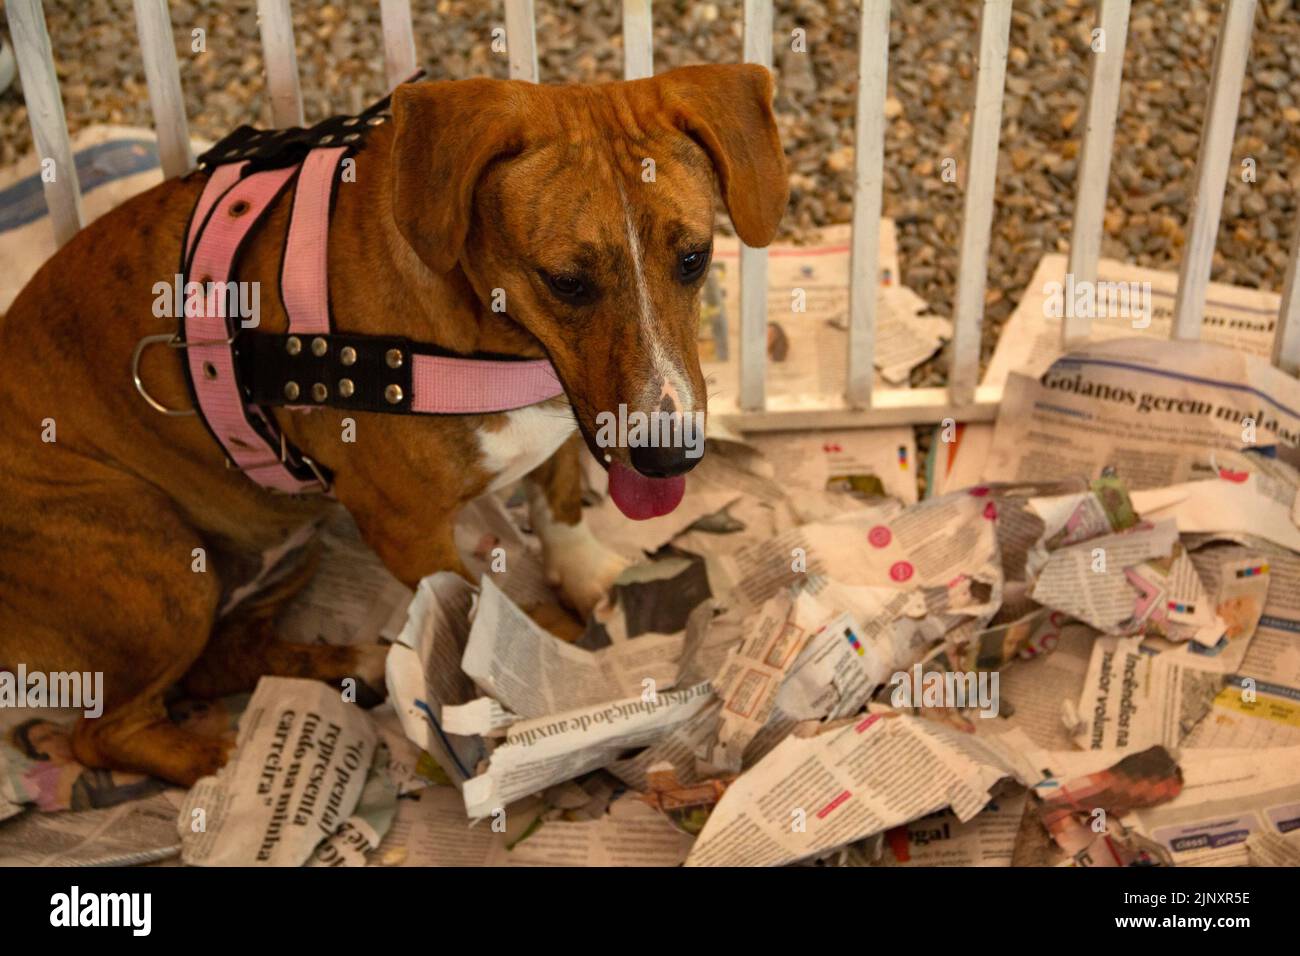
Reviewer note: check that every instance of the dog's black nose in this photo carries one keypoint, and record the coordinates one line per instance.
(662, 462)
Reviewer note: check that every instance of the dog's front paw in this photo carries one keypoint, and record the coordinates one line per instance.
(581, 567)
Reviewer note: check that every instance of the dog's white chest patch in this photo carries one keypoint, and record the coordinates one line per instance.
(530, 436)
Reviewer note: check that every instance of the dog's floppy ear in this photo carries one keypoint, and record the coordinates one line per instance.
(447, 132)
(728, 111)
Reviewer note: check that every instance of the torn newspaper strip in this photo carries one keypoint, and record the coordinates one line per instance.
(1133, 700)
(424, 676)
(811, 795)
(752, 676)
(294, 778)
(351, 599)
(1087, 580)
(532, 673)
(431, 830)
(1227, 797)
(548, 750)
(128, 834)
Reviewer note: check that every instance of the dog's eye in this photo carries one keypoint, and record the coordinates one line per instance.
(571, 288)
(692, 265)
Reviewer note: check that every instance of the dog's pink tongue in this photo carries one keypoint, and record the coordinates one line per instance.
(640, 497)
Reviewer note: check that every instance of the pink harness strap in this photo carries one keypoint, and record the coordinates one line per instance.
(459, 386)
(304, 279)
(223, 177)
(208, 351)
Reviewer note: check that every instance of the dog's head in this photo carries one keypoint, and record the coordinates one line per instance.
(586, 212)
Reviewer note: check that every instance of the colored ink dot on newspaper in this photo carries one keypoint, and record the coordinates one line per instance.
(979, 492)
(991, 511)
(901, 571)
(879, 536)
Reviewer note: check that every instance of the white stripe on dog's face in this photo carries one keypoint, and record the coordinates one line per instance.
(669, 378)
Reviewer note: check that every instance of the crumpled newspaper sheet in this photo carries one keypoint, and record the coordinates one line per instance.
(782, 623)
(296, 776)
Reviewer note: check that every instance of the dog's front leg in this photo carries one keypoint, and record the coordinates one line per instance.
(582, 567)
(411, 543)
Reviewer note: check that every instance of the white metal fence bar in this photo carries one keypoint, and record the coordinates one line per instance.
(890, 406)
(45, 114)
(977, 216)
(275, 20)
(638, 40)
(868, 198)
(399, 40)
(521, 40)
(158, 50)
(1286, 337)
(753, 262)
(1104, 80)
(1230, 54)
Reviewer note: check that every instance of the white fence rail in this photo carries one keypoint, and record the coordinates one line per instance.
(164, 79)
(862, 404)
(45, 114)
(1094, 157)
(869, 198)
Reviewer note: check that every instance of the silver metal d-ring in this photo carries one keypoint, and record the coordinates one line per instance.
(157, 406)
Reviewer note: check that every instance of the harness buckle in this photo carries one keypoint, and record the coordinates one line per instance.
(172, 340)
(325, 486)
(321, 480)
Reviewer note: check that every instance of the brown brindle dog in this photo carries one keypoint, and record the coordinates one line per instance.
(475, 186)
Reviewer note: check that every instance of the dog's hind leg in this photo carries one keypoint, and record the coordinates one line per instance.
(244, 648)
(141, 737)
(103, 580)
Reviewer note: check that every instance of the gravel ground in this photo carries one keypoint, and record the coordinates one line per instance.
(1170, 51)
